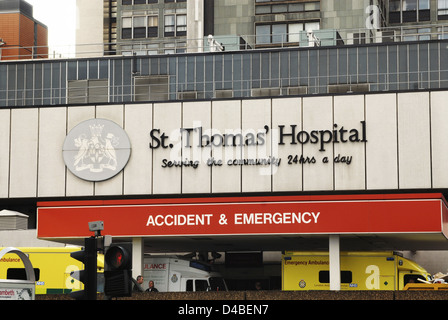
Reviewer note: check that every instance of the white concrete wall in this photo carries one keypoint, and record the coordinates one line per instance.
(406, 148)
(89, 28)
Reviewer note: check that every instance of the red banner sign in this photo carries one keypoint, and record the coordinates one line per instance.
(233, 216)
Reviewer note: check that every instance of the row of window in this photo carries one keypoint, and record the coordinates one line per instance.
(136, 2)
(147, 26)
(401, 11)
(216, 284)
(175, 21)
(287, 7)
(282, 32)
(346, 277)
(238, 74)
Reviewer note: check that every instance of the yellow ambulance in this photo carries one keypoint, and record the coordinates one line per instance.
(359, 271)
(52, 268)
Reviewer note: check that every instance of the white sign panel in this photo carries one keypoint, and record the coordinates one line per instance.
(16, 291)
(388, 141)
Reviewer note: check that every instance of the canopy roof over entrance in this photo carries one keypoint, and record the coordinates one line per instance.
(364, 222)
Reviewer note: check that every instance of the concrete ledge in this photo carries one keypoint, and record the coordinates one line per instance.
(319, 295)
(213, 295)
(425, 295)
(421, 295)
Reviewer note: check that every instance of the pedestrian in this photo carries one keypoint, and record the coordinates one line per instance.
(151, 287)
(137, 286)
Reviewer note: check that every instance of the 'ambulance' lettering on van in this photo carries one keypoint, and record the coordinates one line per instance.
(155, 266)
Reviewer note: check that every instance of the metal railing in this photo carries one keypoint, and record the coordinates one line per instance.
(168, 45)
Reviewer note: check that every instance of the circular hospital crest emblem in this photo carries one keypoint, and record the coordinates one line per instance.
(96, 150)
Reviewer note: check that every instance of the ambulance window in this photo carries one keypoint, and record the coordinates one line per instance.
(324, 276)
(217, 284)
(201, 285)
(412, 278)
(20, 274)
(189, 285)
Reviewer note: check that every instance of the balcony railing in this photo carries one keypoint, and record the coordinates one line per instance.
(156, 46)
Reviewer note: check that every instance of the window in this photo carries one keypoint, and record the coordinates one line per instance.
(412, 278)
(263, 34)
(270, 7)
(279, 33)
(151, 88)
(359, 38)
(409, 13)
(126, 30)
(442, 9)
(181, 24)
(424, 13)
(442, 33)
(394, 11)
(312, 26)
(138, 27)
(424, 34)
(279, 8)
(176, 47)
(175, 23)
(420, 34)
(189, 286)
(282, 32)
(169, 25)
(324, 276)
(401, 11)
(217, 284)
(409, 5)
(294, 31)
(199, 285)
(131, 2)
(423, 5)
(20, 274)
(262, 9)
(88, 91)
(153, 24)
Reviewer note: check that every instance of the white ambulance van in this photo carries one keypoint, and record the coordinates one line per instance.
(174, 274)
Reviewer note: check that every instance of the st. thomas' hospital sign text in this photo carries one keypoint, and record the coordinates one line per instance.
(264, 147)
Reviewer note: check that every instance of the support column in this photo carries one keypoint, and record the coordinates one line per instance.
(137, 257)
(335, 265)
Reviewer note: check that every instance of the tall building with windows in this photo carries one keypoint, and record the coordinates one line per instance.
(138, 30)
(160, 26)
(350, 95)
(21, 36)
(150, 27)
